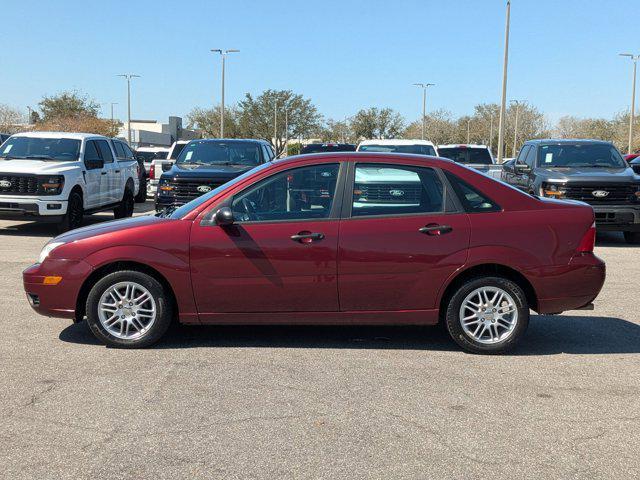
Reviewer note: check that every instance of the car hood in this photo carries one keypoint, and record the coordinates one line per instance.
(36, 166)
(615, 175)
(206, 171)
(108, 227)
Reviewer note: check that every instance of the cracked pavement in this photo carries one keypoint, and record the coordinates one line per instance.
(320, 402)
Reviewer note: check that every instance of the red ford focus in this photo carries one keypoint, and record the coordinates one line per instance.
(331, 239)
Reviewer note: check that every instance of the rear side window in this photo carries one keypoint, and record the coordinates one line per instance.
(477, 156)
(105, 150)
(119, 150)
(392, 189)
(471, 198)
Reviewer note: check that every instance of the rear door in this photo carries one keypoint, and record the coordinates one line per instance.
(95, 178)
(115, 186)
(401, 238)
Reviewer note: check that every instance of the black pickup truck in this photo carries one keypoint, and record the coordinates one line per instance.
(591, 171)
(206, 164)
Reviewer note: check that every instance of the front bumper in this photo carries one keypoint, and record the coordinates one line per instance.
(617, 217)
(55, 300)
(23, 206)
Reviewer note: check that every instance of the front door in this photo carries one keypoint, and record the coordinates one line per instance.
(279, 255)
(398, 245)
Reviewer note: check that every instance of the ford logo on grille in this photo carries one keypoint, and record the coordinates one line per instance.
(396, 193)
(5, 183)
(599, 193)
(204, 188)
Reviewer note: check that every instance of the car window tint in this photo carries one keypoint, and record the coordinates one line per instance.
(472, 199)
(128, 153)
(530, 159)
(297, 194)
(391, 189)
(90, 151)
(522, 154)
(119, 150)
(107, 156)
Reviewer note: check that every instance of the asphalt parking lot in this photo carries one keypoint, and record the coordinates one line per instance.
(330, 402)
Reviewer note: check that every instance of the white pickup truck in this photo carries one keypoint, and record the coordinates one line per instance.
(61, 177)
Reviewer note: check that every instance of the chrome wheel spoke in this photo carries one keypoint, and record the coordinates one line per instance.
(488, 315)
(127, 310)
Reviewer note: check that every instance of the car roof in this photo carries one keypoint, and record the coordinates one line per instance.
(215, 140)
(70, 135)
(396, 141)
(462, 145)
(559, 141)
(344, 156)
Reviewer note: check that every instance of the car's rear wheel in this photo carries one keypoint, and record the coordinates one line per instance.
(487, 315)
(126, 206)
(128, 309)
(141, 197)
(75, 213)
(632, 238)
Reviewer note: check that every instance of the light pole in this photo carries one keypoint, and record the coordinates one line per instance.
(286, 132)
(491, 135)
(29, 110)
(468, 131)
(223, 54)
(424, 86)
(634, 58)
(503, 104)
(275, 126)
(515, 127)
(129, 76)
(112, 104)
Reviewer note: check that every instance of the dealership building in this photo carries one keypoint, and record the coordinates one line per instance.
(151, 133)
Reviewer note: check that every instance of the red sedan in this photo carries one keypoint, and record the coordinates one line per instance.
(343, 238)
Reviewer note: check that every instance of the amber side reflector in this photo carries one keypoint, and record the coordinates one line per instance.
(52, 280)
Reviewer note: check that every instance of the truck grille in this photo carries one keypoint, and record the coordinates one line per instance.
(18, 184)
(187, 190)
(392, 193)
(615, 193)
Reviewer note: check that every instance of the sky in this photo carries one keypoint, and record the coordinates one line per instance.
(343, 55)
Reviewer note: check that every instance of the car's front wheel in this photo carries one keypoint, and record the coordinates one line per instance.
(141, 197)
(75, 213)
(128, 309)
(126, 206)
(487, 315)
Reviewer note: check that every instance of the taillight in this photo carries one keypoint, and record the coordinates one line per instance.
(588, 241)
(152, 172)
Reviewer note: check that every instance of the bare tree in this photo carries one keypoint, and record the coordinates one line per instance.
(10, 119)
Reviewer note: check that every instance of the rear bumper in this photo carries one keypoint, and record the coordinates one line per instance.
(579, 282)
(55, 300)
(617, 217)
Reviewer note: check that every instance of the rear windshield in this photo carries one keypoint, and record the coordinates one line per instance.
(580, 155)
(477, 156)
(415, 149)
(56, 149)
(207, 152)
(332, 147)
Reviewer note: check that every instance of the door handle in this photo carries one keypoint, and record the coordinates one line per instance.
(117, 171)
(307, 237)
(435, 229)
(103, 173)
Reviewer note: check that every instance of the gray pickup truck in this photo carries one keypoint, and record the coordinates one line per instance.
(592, 171)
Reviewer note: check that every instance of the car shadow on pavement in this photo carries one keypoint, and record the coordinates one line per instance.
(612, 239)
(547, 335)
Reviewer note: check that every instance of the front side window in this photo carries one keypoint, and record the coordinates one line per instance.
(56, 149)
(391, 189)
(207, 152)
(580, 155)
(414, 149)
(91, 151)
(299, 194)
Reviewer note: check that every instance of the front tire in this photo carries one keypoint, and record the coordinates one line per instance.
(141, 197)
(632, 238)
(128, 309)
(487, 315)
(125, 209)
(75, 213)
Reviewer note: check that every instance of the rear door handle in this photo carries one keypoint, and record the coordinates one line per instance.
(435, 229)
(117, 171)
(307, 237)
(103, 173)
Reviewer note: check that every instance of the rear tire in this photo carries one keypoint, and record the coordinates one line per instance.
(632, 238)
(486, 327)
(128, 323)
(75, 214)
(125, 209)
(141, 197)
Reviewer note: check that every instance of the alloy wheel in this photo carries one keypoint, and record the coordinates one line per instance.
(488, 315)
(127, 310)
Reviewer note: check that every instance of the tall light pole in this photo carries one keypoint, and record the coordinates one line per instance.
(468, 131)
(112, 104)
(223, 54)
(129, 76)
(503, 104)
(424, 87)
(515, 127)
(491, 135)
(275, 125)
(634, 58)
(286, 132)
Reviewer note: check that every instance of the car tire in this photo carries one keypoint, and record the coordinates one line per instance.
(136, 327)
(75, 213)
(141, 197)
(488, 331)
(126, 206)
(632, 238)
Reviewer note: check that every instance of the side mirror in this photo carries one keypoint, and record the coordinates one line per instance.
(94, 164)
(223, 217)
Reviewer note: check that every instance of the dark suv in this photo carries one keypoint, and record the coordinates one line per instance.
(206, 164)
(592, 171)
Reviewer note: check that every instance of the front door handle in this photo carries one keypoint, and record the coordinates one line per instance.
(103, 173)
(435, 229)
(117, 171)
(307, 237)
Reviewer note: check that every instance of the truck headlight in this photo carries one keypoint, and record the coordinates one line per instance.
(553, 190)
(48, 248)
(52, 185)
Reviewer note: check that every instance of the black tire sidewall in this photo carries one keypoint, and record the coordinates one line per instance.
(164, 309)
(452, 316)
(65, 225)
(127, 205)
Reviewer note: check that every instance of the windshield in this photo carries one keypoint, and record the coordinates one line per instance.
(57, 149)
(149, 156)
(415, 149)
(207, 152)
(477, 156)
(580, 155)
(196, 202)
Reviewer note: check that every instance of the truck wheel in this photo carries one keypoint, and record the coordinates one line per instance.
(632, 238)
(125, 209)
(141, 197)
(487, 315)
(75, 214)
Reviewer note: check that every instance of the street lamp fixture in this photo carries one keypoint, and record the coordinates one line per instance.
(424, 87)
(634, 58)
(223, 54)
(128, 76)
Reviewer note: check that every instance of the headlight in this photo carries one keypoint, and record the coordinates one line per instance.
(48, 248)
(553, 190)
(52, 185)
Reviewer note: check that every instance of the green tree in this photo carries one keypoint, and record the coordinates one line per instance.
(68, 104)
(208, 121)
(337, 131)
(377, 123)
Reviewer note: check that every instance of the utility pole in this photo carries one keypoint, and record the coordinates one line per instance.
(491, 136)
(223, 54)
(424, 87)
(286, 132)
(129, 76)
(515, 128)
(503, 103)
(112, 104)
(634, 58)
(29, 110)
(275, 126)
(468, 130)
